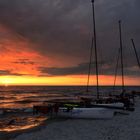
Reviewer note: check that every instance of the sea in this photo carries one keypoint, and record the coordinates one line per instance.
(16, 97)
(19, 98)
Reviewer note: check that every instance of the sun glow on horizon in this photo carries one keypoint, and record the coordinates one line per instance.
(65, 80)
(6, 81)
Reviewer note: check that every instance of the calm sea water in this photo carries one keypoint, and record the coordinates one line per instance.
(27, 96)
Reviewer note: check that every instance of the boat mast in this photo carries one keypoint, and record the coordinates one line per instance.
(90, 62)
(116, 69)
(136, 52)
(95, 47)
(121, 51)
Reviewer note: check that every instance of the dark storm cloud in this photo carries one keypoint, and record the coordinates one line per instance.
(51, 23)
(79, 69)
(24, 61)
(4, 72)
(105, 69)
(63, 28)
(8, 72)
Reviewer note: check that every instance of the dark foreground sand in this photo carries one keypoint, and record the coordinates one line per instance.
(121, 127)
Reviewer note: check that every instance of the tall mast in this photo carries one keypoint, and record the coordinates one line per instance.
(95, 45)
(121, 50)
(116, 69)
(136, 52)
(90, 62)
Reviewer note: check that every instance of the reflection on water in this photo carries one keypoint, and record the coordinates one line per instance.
(27, 96)
(10, 124)
(16, 100)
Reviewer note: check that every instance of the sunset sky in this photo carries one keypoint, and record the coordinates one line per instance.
(47, 42)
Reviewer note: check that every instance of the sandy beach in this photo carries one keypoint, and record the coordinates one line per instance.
(121, 127)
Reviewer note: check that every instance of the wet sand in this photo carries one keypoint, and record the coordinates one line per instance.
(20, 123)
(13, 134)
(121, 127)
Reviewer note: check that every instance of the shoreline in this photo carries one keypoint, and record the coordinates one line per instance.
(12, 135)
(121, 127)
(52, 125)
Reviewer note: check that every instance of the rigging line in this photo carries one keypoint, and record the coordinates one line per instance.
(121, 50)
(90, 63)
(101, 59)
(116, 69)
(138, 60)
(95, 47)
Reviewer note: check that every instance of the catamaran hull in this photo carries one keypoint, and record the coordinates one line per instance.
(115, 106)
(110, 106)
(86, 113)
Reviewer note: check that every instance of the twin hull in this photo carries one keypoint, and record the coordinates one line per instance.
(101, 111)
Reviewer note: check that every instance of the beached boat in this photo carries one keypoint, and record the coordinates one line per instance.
(92, 111)
(122, 99)
(101, 102)
(79, 110)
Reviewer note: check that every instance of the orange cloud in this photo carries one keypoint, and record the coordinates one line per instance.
(14, 49)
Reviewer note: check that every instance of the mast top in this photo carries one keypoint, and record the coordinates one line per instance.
(92, 1)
